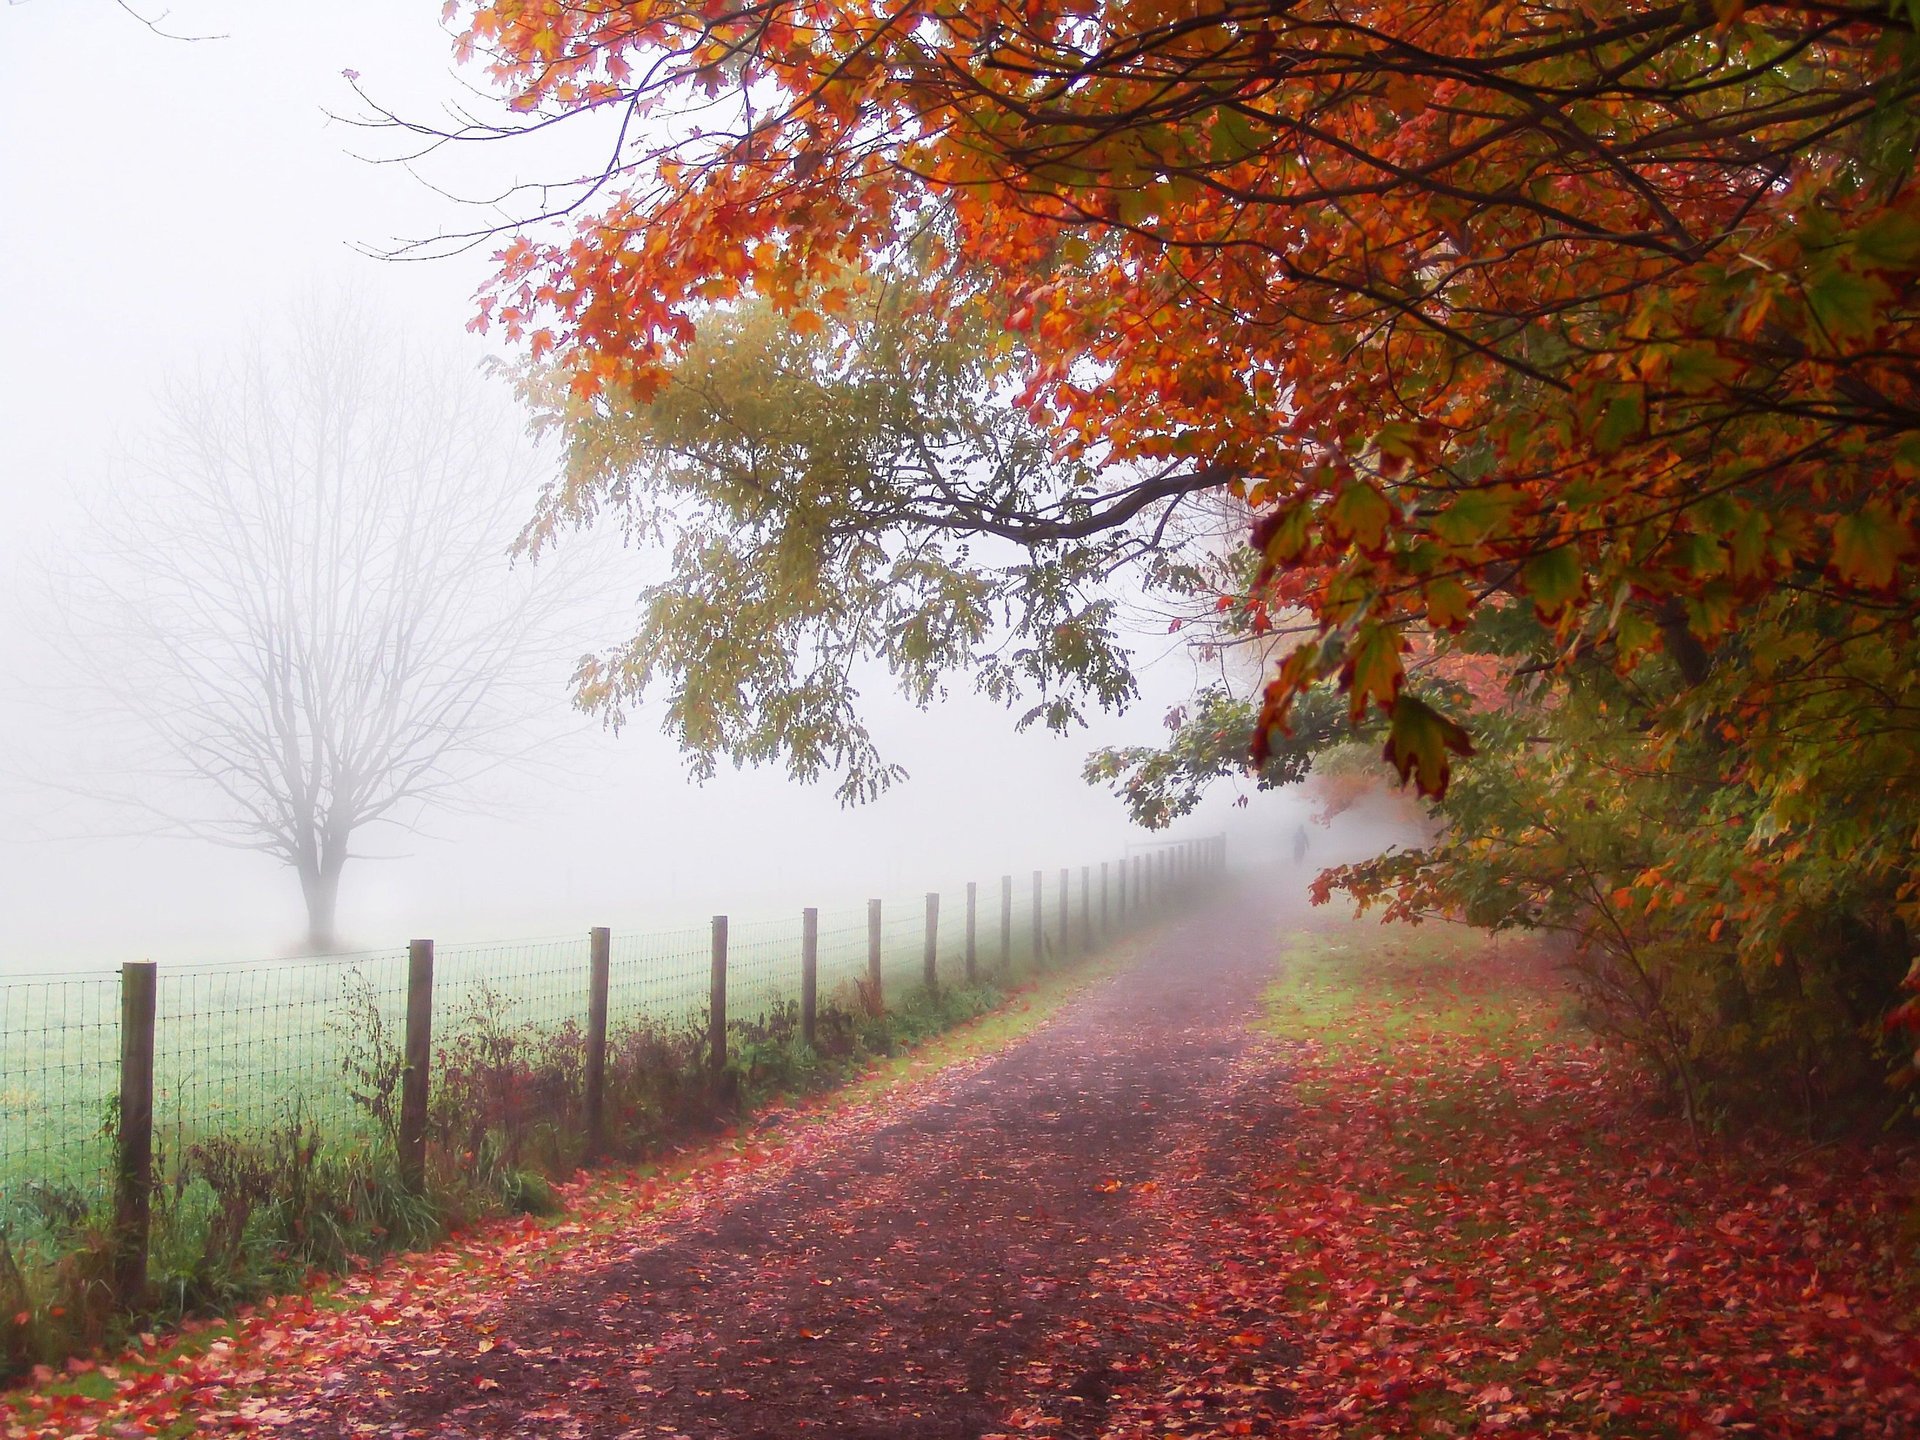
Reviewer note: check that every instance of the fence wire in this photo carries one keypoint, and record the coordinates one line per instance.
(903, 934)
(244, 1049)
(763, 967)
(241, 1049)
(663, 976)
(843, 955)
(59, 1075)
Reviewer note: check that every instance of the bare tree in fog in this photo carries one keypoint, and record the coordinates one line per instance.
(300, 597)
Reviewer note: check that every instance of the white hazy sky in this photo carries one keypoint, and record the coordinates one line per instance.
(156, 197)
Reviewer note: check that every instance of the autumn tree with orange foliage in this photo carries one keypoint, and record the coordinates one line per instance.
(1580, 333)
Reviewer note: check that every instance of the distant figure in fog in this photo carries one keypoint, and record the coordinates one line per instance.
(1300, 843)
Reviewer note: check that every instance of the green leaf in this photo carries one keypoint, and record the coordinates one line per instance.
(1696, 556)
(1634, 635)
(1234, 137)
(1280, 535)
(1695, 369)
(1448, 604)
(1846, 305)
(1553, 579)
(1889, 241)
(1373, 670)
(1747, 541)
(1360, 513)
(1624, 418)
(1471, 516)
(1867, 547)
(1418, 741)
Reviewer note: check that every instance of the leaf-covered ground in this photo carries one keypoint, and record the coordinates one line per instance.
(1473, 1225)
(1384, 1196)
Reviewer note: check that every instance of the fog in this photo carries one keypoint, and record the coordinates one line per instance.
(164, 198)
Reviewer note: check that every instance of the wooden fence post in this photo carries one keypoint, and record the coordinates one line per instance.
(133, 1149)
(1039, 921)
(1006, 923)
(877, 1003)
(717, 998)
(809, 972)
(929, 960)
(1106, 923)
(419, 1062)
(599, 976)
(973, 908)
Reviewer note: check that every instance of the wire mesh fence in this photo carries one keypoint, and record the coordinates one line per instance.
(247, 1048)
(763, 967)
(843, 953)
(59, 1074)
(321, 1045)
(663, 974)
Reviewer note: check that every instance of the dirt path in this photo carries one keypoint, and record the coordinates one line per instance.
(944, 1274)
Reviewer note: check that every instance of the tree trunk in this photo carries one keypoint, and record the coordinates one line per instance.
(320, 885)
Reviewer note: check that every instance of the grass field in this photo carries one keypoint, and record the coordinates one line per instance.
(239, 1047)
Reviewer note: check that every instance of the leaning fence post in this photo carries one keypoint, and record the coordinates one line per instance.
(419, 1058)
(930, 958)
(599, 974)
(809, 971)
(877, 1003)
(1006, 923)
(973, 907)
(717, 998)
(1039, 920)
(133, 1159)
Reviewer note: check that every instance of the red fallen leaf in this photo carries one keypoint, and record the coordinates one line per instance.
(484, 1383)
